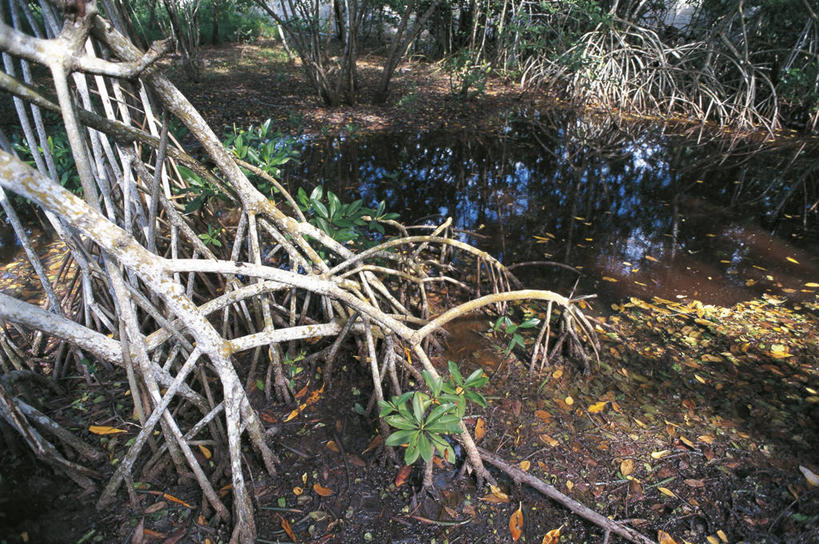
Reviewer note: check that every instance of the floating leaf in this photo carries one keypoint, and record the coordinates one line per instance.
(597, 407)
(480, 429)
(104, 429)
(516, 524)
(665, 538)
(403, 474)
(626, 467)
(321, 490)
(552, 537)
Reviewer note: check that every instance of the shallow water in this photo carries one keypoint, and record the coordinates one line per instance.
(635, 210)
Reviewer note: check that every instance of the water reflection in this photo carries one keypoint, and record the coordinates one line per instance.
(637, 210)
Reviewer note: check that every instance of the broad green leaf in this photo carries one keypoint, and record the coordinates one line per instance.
(399, 437)
(455, 372)
(425, 447)
(400, 422)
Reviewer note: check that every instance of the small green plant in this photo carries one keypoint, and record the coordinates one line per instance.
(212, 237)
(409, 100)
(467, 78)
(423, 419)
(510, 328)
(199, 189)
(264, 149)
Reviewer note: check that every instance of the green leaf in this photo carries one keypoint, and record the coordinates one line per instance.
(425, 447)
(477, 398)
(418, 406)
(400, 422)
(317, 193)
(437, 413)
(476, 379)
(412, 450)
(400, 437)
(455, 373)
(529, 323)
(354, 207)
(385, 408)
(320, 208)
(335, 203)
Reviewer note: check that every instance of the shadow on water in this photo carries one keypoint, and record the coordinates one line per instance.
(636, 210)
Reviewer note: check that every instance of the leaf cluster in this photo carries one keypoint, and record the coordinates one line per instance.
(423, 419)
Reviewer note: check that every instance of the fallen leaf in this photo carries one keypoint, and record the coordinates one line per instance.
(665, 538)
(791, 260)
(809, 475)
(298, 491)
(104, 429)
(552, 537)
(708, 439)
(205, 451)
(597, 407)
(480, 429)
(332, 446)
(549, 440)
(712, 539)
(291, 415)
(569, 400)
(516, 524)
(177, 501)
(609, 279)
(496, 496)
(403, 474)
(525, 465)
(722, 536)
(659, 454)
(321, 490)
(138, 536)
(694, 483)
(288, 529)
(543, 415)
(626, 467)
(665, 491)
(225, 489)
(156, 507)
(557, 374)
(688, 443)
(812, 284)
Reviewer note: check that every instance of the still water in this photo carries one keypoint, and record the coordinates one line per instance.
(636, 210)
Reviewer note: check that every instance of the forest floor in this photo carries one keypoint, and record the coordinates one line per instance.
(698, 421)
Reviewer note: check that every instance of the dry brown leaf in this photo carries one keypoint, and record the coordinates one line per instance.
(333, 447)
(516, 524)
(688, 443)
(205, 451)
(626, 467)
(543, 415)
(288, 529)
(809, 475)
(156, 507)
(552, 537)
(403, 474)
(496, 496)
(695, 483)
(708, 439)
(322, 491)
(480, 429)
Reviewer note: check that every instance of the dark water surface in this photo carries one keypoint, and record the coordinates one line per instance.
(637, 211)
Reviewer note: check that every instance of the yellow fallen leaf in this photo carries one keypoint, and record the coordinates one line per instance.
(707, 438)
(543, 415)
(333, 447)
(496, 496)
(205, 451)
(525, 465)
(665, 538)
(569, 400)
(557, 373)
(569, 485)
(549, 440)
(177, 501)
(652, 259)
(516, 524)
(812, 284)
(792, 260)
(480, 429)
(104, 429)
(609, 279)
(298, 491)
(666, 491)
(552, 537)
(722, 536)
(687, 442)
(712, 539)
(292, 415)
(659, 454)
(708, 358)
(597, 407)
